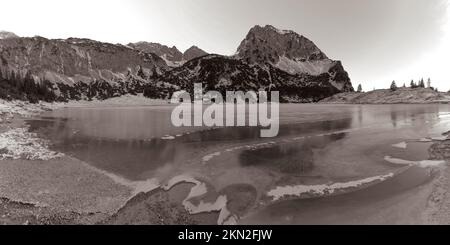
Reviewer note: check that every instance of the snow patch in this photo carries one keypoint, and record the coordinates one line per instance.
(436, 138)
(443, 115)
(18, 143)
(207, 158)
(431, 163)
(10, 108)
(424, 140)
(401, 145)
(168, 137)
(200, 189)
(422, 164)
(252, 147)
(324, 189)
(440, 138)
(314, 68)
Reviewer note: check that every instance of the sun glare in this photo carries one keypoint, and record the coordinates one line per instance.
(434, 64)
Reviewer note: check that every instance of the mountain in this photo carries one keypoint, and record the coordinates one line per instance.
(172, 56)
(290, 52)
(192, 53)
(221, 73)
(37, 68)
(78, 68)
(6, 35)
(260, 63)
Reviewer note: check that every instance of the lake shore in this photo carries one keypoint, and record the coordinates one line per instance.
(438, 211)
(387, 96)
(59, 190)
(65, 190)
(38, 186)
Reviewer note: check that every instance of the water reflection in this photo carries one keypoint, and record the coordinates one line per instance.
(132, 157)
(289, 158)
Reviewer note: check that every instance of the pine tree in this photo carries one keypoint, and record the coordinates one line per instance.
(421, 83)
(155, 73)
(359, 88)
(413, 84)
(393, 86)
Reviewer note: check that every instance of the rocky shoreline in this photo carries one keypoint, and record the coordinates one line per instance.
(439, 202)
(43, 188)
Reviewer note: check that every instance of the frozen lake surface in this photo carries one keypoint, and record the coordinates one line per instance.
(326, 160)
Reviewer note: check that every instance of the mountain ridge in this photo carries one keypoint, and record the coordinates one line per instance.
(80, 68)
(173, 56)
(220, 73)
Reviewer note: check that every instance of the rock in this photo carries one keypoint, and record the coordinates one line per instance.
(440, 150)
(192, 53)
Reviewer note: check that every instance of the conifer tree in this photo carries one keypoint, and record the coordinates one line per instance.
(393, 86)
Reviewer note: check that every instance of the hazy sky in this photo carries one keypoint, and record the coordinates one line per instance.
(377, 40)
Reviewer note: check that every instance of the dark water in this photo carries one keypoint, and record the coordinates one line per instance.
(85, 134)
(127, 141)
(350, 208)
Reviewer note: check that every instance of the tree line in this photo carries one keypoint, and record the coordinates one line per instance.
(15, 87)
(413, 84)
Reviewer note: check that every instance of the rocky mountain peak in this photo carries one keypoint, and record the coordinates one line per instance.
(169, 54)
(6, 35)
(172, 56)
(193, 52)
(290, 52)
(268, 45)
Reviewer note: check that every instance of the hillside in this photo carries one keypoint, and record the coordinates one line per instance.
(386, 96)
(221, 73)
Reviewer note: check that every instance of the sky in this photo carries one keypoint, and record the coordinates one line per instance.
(378, 41)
